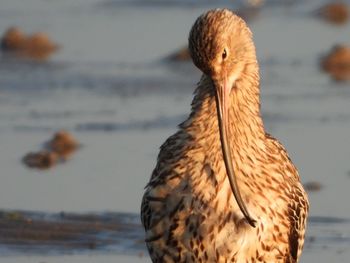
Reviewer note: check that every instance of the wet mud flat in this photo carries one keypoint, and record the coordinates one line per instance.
(66, 233)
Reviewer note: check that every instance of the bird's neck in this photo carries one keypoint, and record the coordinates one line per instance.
(245, 128)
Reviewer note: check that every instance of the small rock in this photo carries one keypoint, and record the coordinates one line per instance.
(313, 186)
(57, 150)
(63, 144)
(92, 245)
(13, 39)
(182, 54)
(39, 45)
(255, 3)
(35, 46)
(337, 63)
(41, 159)
(336, 13)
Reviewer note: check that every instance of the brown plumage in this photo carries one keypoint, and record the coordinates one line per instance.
(196, 207)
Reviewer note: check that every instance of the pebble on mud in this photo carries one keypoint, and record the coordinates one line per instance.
(336, 13)
(183, 54)
(337, 63)
(63, 144)
(57, 150)
(35, 46)
(41, 159)
(313, 186)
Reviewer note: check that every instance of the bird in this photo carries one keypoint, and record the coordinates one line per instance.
(223, 189)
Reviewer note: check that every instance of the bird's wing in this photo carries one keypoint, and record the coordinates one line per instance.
(298, 207)
(297, 214)
(155, 199)
(151, 205)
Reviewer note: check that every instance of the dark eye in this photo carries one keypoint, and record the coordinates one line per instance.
(224, 54)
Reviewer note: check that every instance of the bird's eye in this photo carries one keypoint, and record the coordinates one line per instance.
(224, 54)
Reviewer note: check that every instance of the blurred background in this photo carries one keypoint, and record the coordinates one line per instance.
(89, 90)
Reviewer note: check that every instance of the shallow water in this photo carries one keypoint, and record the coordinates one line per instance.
(111, 87)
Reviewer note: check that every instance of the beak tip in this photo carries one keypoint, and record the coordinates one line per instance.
(252, 222)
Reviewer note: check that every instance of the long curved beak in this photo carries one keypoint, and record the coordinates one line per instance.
(223, 89)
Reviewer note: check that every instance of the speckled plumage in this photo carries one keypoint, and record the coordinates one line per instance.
(188, 209)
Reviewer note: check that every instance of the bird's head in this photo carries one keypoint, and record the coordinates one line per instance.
(221, 46)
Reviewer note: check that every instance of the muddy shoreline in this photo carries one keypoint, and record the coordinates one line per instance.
(38, 232)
